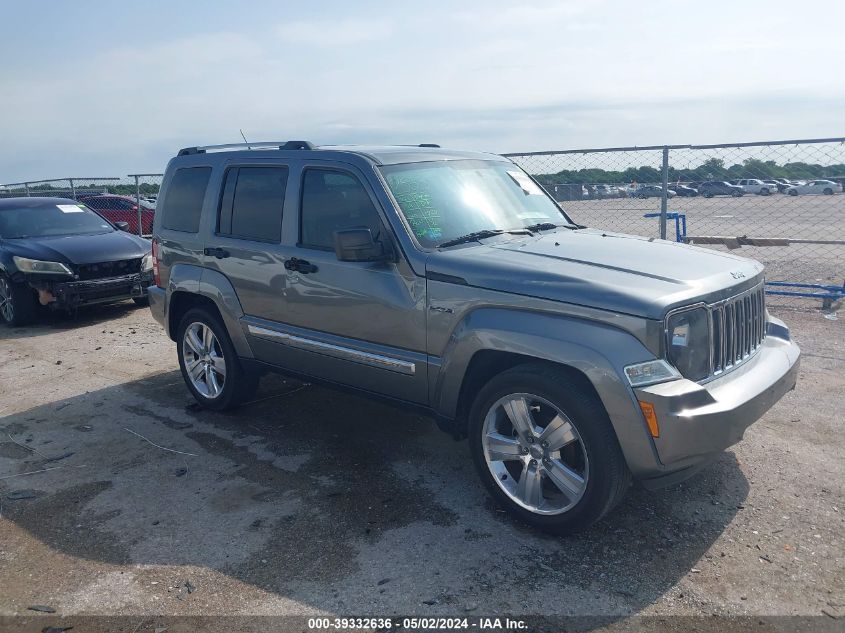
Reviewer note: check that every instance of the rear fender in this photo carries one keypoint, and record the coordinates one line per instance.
(212, 285)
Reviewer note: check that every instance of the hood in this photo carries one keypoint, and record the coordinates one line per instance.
(81, 249)
(609, 271)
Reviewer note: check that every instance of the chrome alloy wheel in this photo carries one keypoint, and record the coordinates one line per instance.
(7, 308)
(204, 362)
(535, 453)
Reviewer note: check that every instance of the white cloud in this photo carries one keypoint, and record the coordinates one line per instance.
(486, 76)
(334, 32)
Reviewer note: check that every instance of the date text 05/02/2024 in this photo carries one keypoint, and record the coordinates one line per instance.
(418, 623)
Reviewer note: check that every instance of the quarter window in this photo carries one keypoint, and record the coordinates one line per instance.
(183, 199)
(252, 203)
(331, 201)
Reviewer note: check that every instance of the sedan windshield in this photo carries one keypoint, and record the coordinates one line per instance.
(50, 219)
(445, 200)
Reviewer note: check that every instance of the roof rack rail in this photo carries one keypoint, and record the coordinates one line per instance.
(286, 145)
(428, 145)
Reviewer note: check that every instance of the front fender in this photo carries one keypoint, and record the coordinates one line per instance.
(598, 350)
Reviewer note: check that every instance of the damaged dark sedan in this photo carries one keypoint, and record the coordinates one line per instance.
(58, 253)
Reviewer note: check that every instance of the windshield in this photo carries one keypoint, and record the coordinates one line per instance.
(50, 219)
(447, 199)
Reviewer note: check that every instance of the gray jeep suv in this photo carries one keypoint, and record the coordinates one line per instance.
(573, 359)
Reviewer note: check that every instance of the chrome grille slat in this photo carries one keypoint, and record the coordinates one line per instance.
(738, 327)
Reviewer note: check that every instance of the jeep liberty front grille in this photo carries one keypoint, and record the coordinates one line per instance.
(738, 327)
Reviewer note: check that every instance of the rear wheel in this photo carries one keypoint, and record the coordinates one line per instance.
(546, 450)
(793, 192)
(17, 303)
(210, 366)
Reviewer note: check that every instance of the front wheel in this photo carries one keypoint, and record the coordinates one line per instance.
(828, 192)
(736, 194)
(210, 366)
(793, 192)
(17, 303)
(546, 450)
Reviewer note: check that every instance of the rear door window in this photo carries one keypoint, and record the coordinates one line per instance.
(183, 202)
(252, 203)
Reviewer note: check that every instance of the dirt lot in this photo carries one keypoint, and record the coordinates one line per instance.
(309, 501)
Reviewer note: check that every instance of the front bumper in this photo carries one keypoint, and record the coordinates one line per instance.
(699, 421)
(73, 294)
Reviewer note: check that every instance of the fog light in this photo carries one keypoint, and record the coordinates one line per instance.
(650, 418)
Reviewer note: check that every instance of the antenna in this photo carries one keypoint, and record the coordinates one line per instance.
(244, 138)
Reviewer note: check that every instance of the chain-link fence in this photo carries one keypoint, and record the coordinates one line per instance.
(779, 202)
(131, 199)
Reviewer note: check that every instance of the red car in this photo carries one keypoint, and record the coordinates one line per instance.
(116, 208)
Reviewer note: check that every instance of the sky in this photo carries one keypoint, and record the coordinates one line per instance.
(95, 88)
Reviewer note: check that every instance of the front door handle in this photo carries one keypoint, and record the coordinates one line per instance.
(219, 253)
(300, 266)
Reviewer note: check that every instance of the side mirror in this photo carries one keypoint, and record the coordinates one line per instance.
(122, 226)
(358, 245)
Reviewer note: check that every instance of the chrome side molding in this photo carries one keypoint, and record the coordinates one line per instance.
(336, 351)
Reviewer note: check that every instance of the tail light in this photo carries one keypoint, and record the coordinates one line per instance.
(156, 273)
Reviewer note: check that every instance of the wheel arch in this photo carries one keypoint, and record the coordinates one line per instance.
(492, 340)
(193, 286)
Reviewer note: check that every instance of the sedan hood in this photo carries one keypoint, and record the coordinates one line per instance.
(610, 271)
(81, 249)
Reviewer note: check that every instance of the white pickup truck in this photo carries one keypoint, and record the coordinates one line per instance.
(753, 185)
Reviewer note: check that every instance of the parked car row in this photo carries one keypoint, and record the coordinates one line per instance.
(734, 188)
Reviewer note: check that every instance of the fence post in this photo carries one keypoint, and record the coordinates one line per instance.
(138, 202)
(664, 197)
(72, 189)
(26, 186)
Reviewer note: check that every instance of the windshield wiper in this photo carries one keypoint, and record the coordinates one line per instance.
(480, 235)
(542, 226)
(548, 226)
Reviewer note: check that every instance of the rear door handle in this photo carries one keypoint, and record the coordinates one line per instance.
(300, 266)
(219, 253)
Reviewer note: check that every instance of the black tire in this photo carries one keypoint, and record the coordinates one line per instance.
(828, 192)
(736, 194)
(793, 192)
(239, 385)
(764, 192)
(18, 306)
(141, 301)
(708, 195)
(609, 477)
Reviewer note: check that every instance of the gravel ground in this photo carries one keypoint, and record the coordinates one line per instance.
(308, 501)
